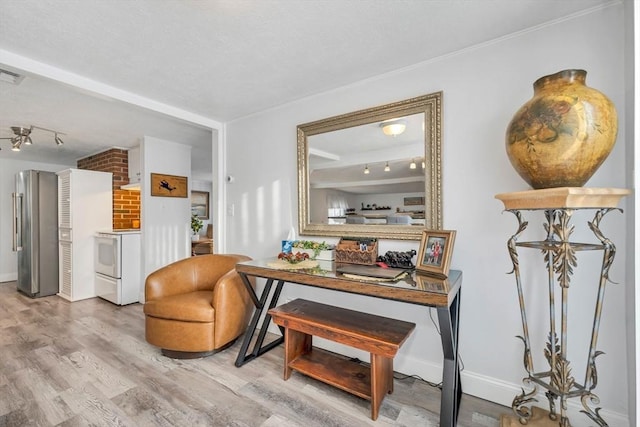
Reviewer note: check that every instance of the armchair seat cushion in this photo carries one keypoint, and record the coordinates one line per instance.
(191, 307)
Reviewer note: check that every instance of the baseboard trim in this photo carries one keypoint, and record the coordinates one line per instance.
(481, 386)
(502, 392)
(8, 277)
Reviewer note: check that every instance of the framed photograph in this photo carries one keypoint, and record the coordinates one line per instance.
(200, 204)
(436, 248)
(168, 185)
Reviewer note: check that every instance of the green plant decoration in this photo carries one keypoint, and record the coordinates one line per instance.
(317, 247)
(196, 224)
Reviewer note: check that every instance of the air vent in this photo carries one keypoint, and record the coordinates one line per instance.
(10, 77)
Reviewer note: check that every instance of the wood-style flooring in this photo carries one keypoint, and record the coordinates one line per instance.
(87, 363)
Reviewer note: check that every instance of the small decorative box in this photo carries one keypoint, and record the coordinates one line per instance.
(357, 251)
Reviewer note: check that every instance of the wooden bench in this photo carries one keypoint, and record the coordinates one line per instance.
(380, 336)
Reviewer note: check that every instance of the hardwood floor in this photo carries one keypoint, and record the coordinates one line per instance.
(87, 363)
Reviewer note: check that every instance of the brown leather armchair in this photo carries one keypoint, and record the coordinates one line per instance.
(196, 306)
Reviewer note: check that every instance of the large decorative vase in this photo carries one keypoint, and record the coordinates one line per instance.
(562, 135)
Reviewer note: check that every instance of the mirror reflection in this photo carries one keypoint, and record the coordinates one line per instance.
(362, 175)
(373, 172)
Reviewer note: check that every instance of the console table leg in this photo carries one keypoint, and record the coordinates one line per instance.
(448, 319)
(258, 348)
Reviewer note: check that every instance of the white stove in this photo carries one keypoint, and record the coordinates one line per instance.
(117, 266)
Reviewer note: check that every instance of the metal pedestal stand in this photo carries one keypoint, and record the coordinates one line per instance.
(559, 254)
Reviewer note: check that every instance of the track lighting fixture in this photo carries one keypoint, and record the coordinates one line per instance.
(366, 169)
(23, 136)
(387, 168)
(412, 165)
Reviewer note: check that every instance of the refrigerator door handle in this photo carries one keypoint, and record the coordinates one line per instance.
(17, 221)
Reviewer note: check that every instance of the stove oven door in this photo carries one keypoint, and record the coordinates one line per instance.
(107, 255)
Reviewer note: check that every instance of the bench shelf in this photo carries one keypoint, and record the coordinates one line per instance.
(329, 368)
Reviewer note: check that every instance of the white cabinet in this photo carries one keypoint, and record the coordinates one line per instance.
(134, 165)
(85, 206)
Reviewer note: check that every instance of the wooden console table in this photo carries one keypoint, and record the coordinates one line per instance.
(559, 254)
(443, 294)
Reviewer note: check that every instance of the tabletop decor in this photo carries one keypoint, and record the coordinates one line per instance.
(293, 261)
(398, 259)
(357, 250)
(293, 258)
(562, 135)
(315, 250)
(435, 252)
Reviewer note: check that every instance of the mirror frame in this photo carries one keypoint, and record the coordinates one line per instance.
(431, 106)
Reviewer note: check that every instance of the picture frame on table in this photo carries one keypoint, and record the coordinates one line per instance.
(200, 204)
(434, 256)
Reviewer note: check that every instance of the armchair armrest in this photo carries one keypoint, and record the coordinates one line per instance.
(232, 305)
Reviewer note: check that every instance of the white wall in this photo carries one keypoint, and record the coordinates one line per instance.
(483, 87)
(8, 169)
(165, 221)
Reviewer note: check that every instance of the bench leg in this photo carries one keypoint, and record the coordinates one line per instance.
(295, 344)
(381, 381)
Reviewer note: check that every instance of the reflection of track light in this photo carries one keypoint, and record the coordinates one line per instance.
(366, 169)
(423, 165)
(387, 168)
(412, 165)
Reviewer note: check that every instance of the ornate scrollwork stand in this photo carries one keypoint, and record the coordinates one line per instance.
(559, 253)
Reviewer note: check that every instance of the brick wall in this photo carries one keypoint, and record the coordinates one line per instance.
(126, 204)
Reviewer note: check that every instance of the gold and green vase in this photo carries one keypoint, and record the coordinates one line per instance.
(562, 135)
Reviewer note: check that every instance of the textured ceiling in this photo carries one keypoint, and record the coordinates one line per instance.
(225, 59)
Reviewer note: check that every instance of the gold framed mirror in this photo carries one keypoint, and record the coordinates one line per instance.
(372, 173)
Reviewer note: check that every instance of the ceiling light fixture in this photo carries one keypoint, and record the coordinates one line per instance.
(412, 165)
(393, 127)
(23, 136)
(387, 168)
(366, 169)
(15, 144)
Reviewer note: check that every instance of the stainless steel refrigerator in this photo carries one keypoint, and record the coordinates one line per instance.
(35, 232)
